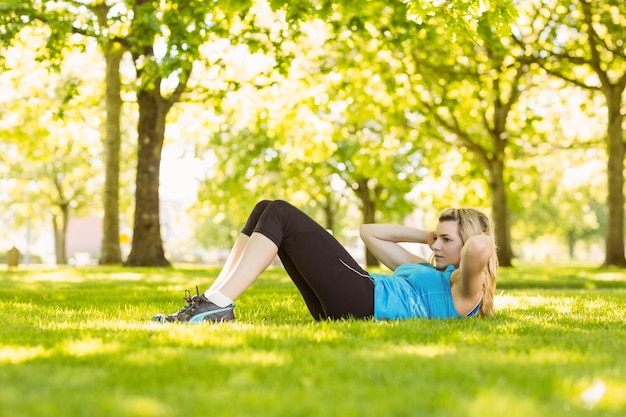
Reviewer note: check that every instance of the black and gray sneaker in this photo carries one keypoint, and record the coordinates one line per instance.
(197, 310)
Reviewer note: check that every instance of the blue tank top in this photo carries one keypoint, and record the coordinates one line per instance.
(415, 291)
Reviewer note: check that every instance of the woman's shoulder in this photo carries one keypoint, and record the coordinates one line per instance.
(425, 266)
(422, 268)
(416, 271)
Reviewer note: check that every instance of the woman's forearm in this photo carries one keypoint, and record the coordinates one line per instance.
(397, 233)
(474, 258)
(383, 240)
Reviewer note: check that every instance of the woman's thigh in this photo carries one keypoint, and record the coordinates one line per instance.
(317, 261)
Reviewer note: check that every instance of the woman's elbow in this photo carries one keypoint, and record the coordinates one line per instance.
(479, 247)
(365, 231)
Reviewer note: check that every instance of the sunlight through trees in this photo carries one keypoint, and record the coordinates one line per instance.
(380, 111)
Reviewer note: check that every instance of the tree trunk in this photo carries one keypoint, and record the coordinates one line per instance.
(571, 243)
(110, 252)
(329, 215)
(59, 225)
(147, 246)
(615, 173)
(500, 213)
(368, 208)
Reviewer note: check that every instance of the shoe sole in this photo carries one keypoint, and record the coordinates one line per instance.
(206, 316)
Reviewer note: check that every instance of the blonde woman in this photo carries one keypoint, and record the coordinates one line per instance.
(459, 283)
(461, 280)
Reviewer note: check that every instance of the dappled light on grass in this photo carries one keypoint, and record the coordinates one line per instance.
(76, 275)
(19, 354)
(607, 276)
(139, 406)
(74, 348)
(53, 276)
(593, 393)
(322, 333)
(100, 324)
(253, 357)
(600, 393)
(560, 304)
(499, 401)
(418, 350)
(542, 354)
(100, 274)
(560, 278)
(89, 346)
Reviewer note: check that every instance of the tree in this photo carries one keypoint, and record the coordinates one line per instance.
(562, 196)
(368, 147)
(467, 93)
(179, 30)
(54, 163)
(90, 20)
(557, 176)
(458, 88)
(294, 13)
(110, 252)
(12, 20)
(375, 155)
(461, 18)
(164, 41)
(335, 124)
(582, 42)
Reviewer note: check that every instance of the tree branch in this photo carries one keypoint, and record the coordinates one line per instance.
(592, 35)
(569, 79)
(462, 136)
(181, 87)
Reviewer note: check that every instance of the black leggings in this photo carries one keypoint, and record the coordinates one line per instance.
(331, 282)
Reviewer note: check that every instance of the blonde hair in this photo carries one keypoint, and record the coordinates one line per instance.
(473, 222)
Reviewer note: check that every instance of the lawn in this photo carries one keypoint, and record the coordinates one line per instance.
(79, 342)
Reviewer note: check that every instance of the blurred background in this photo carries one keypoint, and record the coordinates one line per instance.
(142, 133)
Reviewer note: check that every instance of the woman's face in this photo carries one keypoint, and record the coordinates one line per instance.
(447, 245)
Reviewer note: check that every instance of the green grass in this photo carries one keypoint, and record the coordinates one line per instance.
(79, 342)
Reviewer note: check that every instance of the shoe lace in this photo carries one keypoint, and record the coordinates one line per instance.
(191, 301)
